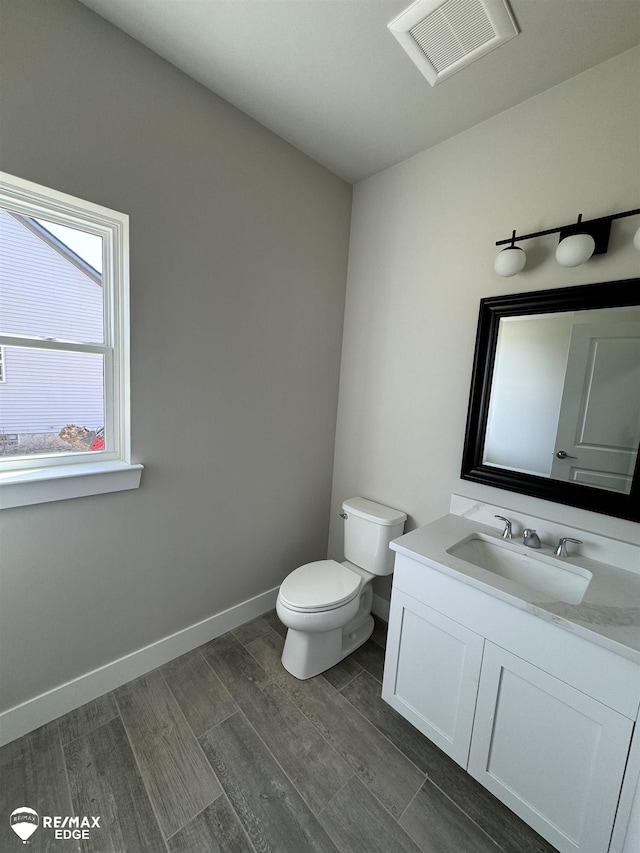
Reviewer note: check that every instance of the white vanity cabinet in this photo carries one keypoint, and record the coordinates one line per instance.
(433, 673)
(541, 717)
(552, 754)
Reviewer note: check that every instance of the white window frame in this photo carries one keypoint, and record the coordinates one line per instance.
(50, 477)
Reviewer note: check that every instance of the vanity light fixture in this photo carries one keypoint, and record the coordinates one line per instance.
(510, 261)
(577, 243)
(575, 249)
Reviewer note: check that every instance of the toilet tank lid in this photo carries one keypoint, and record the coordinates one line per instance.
(383, 515)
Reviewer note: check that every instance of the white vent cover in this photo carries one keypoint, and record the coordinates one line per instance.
(442, 36)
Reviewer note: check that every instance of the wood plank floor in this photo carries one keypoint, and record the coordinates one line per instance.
(222, 751)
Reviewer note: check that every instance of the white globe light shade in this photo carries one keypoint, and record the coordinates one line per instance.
(636, 239)
(510, 261)
(575, 250)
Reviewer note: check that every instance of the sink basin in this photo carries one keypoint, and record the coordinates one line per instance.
(556, 578)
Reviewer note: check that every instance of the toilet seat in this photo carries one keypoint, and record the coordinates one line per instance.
(321, 585)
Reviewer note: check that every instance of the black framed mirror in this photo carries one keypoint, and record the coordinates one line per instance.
(554, 407)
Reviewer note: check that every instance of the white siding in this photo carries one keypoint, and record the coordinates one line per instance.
(46, 390)
(43, 293)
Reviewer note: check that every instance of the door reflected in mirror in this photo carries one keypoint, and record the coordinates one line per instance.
(554, 407)
(558, 379)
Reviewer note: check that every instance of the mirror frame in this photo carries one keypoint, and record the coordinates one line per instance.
(610, 294)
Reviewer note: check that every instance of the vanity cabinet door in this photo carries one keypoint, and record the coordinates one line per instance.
(551, 753)
(432, 669)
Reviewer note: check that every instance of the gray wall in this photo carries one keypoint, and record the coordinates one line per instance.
(238, 265)
(422, 248)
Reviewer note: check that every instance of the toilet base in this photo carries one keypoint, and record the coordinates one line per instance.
(306, 654)
(354, 637)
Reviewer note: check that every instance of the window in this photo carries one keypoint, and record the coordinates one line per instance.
(64, 347)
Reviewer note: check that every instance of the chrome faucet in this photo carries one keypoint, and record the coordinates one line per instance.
(531, 538)
(506, 533)
(561, 550)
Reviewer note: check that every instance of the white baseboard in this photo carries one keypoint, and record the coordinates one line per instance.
(380, 607)
(42, 709)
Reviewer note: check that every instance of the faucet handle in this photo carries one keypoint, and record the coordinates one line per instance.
(506, 533)
(561, 550)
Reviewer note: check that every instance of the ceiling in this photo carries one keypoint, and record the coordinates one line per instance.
(328, 76)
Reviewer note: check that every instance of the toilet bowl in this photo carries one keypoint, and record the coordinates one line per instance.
(326, 605)
(326, 621)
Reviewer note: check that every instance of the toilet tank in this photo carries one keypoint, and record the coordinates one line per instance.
(368, 529)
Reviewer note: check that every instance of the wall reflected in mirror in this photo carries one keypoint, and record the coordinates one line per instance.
(565, 397)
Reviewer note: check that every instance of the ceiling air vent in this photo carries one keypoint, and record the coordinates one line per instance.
(442, 36)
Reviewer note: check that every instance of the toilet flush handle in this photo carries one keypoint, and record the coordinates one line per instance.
(344, 515)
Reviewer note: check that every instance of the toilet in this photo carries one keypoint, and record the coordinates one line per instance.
(326, 605)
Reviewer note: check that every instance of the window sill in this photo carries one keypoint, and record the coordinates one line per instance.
(43, 485)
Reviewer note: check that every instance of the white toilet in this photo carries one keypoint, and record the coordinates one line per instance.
(327, 605)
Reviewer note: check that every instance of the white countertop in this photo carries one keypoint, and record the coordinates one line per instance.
(608, 615)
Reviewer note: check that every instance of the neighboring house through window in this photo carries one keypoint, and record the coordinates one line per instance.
(64, 347)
